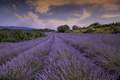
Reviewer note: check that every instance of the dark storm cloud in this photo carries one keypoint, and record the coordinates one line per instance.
(9, 9)
(61, 12)
(18, 6)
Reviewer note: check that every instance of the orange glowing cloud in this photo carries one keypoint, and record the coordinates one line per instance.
(43, 6)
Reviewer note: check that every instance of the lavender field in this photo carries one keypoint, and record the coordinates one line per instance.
(62, 56)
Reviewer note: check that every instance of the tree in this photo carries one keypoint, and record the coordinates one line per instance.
(63, 28)
(95, 24)
(75, 27)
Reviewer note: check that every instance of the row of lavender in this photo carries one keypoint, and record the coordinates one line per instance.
(27, 58)
(101, 49)
(12, 50)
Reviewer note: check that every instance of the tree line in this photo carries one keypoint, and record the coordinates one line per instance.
(7, 35)
(95, 27)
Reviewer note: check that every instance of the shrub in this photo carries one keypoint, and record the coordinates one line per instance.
(75, 27)
(90, 30)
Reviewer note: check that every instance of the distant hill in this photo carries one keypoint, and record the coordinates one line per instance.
(100, 28)
(15, 27)
(104, 28)
(25, 28)
(45, 30)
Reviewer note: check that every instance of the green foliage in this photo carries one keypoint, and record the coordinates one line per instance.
(76, 31)
(116, 29)
(18, 35)
(63, 28)
(89, 30)
(108, 28)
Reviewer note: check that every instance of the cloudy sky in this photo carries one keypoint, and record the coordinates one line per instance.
(52, 13)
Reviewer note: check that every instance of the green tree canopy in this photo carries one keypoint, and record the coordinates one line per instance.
(63, 28)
